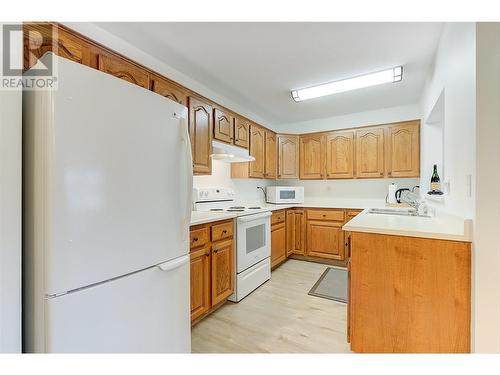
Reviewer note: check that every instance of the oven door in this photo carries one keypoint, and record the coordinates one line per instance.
(253, 240)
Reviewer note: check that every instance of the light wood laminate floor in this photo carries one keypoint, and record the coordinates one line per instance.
(279, 317)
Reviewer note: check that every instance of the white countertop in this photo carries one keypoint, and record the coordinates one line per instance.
(441, 226)
(202, 217)
(444, 227)
(359, 204)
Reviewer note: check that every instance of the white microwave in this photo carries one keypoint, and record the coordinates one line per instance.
(285, 194)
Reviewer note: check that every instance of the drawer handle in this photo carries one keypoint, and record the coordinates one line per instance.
(195, 239)
(207, 253)
(224, 231)
(216, 251)
(324, 215)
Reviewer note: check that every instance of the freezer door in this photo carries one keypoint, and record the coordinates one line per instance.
(119, 179)
(145, 312)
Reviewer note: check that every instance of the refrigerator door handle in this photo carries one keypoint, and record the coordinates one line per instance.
(173, 264)
(189, 178)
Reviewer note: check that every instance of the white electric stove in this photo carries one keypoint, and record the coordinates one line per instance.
(253, 237)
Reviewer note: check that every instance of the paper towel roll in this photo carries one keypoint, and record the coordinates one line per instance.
(392, 193)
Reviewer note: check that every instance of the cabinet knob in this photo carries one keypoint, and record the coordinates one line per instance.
(224, 231)
(389, 174)
(207, 253)
(195, 239)
(216, 251)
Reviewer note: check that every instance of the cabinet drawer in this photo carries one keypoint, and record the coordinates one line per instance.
(221, 231)
(278, 217)
(334, 215)
(199, 237)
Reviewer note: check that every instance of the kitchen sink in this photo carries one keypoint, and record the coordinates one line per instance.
(397, 212)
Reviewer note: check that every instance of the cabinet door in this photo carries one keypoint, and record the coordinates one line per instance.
(241, 132)
(270, 155)
(288, 156)
(340, 155)
(42, 38)
(200, 132)
(325, 239)
(312, 157)
(403, 150)
(223, 126)
(370, 153)
(222, 271)
(168, 90)
(278, 244)
(200, 282)
(123, 69)
(295, 232)
(257, 150)
(290, 232)
(349, 300)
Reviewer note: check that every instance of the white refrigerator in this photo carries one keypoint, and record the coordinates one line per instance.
(107, 205)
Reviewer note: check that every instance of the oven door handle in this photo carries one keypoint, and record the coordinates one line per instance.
(246, 219)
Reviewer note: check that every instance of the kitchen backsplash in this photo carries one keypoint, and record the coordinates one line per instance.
(247, 192)
(348, 189)
(246, 189)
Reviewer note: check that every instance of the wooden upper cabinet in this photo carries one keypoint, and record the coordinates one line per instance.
(288, 156)
(241, 132)
(200, 133)
(168, 90)
(340, 154)
(312, 156)
(123, 69)
(403, 149)
(222, 271)
(257, 150)
(370, 152)
(270, 155)
(42, 38)
(223, 126)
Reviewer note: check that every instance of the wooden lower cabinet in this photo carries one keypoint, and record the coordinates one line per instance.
(295, 232)
(325, 239)
(278, 238)
(409, 295)
(200, 281)
(212, 266)
(222, 270)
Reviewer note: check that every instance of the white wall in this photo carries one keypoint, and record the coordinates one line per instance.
(454, 72)
(246, 188)
(375, 189)
(486, 254)
(10, 218)
(109, 40)
(379, 116)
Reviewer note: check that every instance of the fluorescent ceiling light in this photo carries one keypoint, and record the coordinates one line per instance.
(366, 80)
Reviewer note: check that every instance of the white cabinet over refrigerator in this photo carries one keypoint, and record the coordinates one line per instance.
(107, 205)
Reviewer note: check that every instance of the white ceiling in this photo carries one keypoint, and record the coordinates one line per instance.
(257, 64)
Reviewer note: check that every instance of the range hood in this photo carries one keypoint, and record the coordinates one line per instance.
(229, 153)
